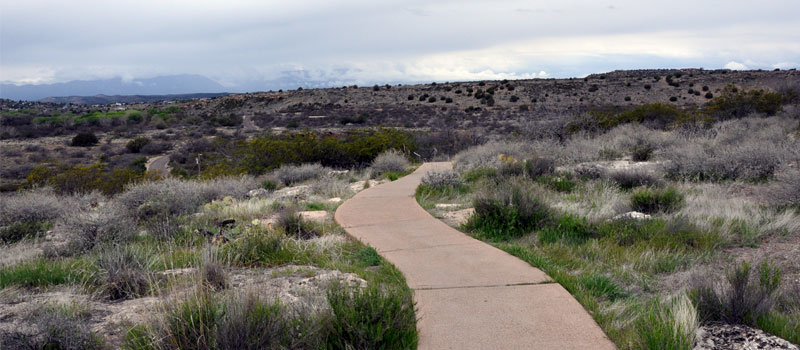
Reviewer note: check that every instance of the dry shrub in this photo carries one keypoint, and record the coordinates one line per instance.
(390, 160)
(31, 206)
(178, 197)
(786, 190)
(627, 179)
(292, 174)
(124, 273)
(212, 273)
(445, 178)
(54, 328)
(105, 224)
(488, 155)
(331, 186)
(294, 225)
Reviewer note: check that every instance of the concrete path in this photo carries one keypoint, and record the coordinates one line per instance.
(469, 294)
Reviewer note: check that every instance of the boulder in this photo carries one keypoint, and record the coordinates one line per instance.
(258, 193)
(314, 215)
(632, 215)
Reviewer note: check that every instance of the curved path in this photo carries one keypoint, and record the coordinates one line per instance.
(469, 294)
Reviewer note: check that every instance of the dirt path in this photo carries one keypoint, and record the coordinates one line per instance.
(469, 294)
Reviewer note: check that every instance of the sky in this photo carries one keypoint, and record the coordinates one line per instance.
(241, 42)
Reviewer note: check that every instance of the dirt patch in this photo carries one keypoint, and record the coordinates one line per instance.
(458, 217)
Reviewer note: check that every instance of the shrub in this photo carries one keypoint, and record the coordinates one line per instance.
(84, 140)
(32, 206)
(641, 153)
(508, 211)
(531, 168)
(294, 225)
(786, 190)
(372, 318)
(124, 273)
(249, 322)
(89, 228)
(212, 273)
(668, 326)
(488, 155)
(21, 230)
(446, 178)
(747, 160)
(733, 103)
(563, 184)
(153, 148)
(742, 298)
(135, 145)
(652, 201)
(292, 174)
(331, 186)
(628, 179)
(269, 184)
(391, 160)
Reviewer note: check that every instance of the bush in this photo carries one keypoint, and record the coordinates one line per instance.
(628, 179)
(641, 153)
(30, 207)
(508, 211)
(531, 168)
(446, 178)
(785, 192)
(84, 140)
(747, 160)
(294, 225)
(558, 183)
(254, 247)
(368, 256)
(331, 186)
(135, 145)
(742, 298)
(212, 273)
(21, 230)
(153, 148)
(293, 174)
(733, 103)
(391, 160)
(124, 273)
(249, 322)
(489, 155)
(653, 201)
(103, 225)
(372, 318)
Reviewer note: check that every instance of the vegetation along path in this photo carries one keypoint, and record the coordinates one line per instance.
(469, 294)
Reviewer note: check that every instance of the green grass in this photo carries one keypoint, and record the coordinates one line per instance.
(655, 200)
(44, 273)
(23, 230)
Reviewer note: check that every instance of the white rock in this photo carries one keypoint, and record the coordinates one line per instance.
(258, 193)
(632, 215)
(334, 200)
(447, 206)
(314, 215)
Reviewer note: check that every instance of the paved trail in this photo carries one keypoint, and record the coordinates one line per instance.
(469, 294)
(159, 163)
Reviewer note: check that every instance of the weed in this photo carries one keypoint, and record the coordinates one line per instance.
(601, 286)
(124, 273)
(668, 326)
(569, 229)
(368, 256)
(294, 225)
(42, 273)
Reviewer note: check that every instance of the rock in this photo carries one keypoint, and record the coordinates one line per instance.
(292, 193)
(334, 200)
(338, 172)
(632, 215)
(258, 193)
(314, 215)
(458, 217)
(447, 206)
(738, 337)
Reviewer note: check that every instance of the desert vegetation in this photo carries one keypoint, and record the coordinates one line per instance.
(659, 249)
(224, 263)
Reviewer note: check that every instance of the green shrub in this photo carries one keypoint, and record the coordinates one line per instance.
(135, 145)
(744, 297)
(269, 185)
(641, 153)
(733, 103)
(509, 211)
(84, 140)
(628, 179)
(651, 201)
(372, 318)
(21, 230)
(253, 248)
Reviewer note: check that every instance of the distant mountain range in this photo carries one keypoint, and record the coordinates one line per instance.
(104, 99)
(116, 87)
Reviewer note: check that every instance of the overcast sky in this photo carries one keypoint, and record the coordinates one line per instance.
(376, 41)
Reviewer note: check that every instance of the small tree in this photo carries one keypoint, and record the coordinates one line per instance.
(85, 139)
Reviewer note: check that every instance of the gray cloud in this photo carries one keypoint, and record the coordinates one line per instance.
(364, 41)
